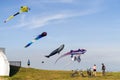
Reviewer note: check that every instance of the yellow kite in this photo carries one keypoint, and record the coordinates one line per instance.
(22, 9)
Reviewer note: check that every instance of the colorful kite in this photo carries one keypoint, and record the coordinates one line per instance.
(38, 37)
(75, 54)
(22, 9)
(58, 50)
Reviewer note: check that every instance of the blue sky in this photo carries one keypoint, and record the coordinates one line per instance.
(90, 24)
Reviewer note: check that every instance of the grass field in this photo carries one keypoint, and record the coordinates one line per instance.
(36, 74)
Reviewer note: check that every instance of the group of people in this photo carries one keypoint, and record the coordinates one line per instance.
(90, 71)
(94, 69)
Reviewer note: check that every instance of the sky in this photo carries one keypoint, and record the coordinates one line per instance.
(90, 24)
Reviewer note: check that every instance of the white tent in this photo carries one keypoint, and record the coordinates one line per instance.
(4, 64)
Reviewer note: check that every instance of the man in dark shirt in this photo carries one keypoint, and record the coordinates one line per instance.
(103, 69)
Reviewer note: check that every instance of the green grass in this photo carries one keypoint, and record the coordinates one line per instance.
(37, 74)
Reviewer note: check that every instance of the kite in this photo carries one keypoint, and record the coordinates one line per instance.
(22, 9)
(58, 50)
(75, 54)
(38, 37)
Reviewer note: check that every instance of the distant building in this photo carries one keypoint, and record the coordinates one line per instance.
(15, 63)
(14, 67)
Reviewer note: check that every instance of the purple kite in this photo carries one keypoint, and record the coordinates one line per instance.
(75, 54)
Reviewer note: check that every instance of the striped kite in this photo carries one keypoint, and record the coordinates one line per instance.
(38, 37)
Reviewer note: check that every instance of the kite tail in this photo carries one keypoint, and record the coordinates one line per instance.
(62, 56)
(28, 44)
(9, 18)
(16, 13)
(59, 58)
(47, 56)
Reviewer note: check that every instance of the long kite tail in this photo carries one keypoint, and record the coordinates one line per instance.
(47, 56)
(68, 53)
(28, 44)
(9, 18)
(32, 41)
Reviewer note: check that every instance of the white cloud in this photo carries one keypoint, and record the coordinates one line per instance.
(40, 21)
(36, 22)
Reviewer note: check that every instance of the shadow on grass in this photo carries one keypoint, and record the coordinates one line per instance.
(13, 70)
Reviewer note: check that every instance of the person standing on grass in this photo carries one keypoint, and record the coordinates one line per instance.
(28, 63)
(94, 70)
(103, 69)
(89, 72)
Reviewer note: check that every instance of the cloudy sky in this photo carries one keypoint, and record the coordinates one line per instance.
(90, 24)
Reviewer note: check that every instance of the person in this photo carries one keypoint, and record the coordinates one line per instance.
(74, 73)
(28, 63)
(89, 72)
(81, 73)
(103, 69)
(94, 70)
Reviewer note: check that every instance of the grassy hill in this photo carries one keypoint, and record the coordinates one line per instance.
(37, 74)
